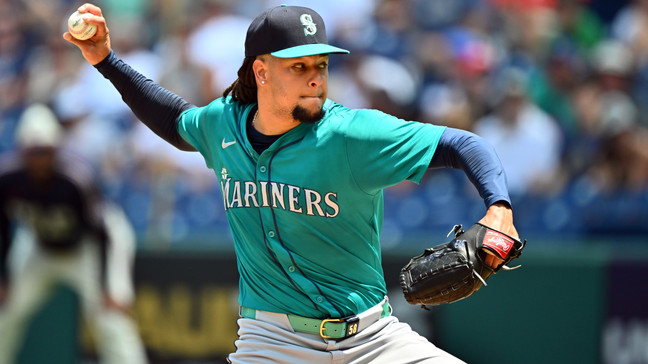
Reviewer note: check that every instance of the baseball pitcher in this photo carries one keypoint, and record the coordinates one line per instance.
(302, 179)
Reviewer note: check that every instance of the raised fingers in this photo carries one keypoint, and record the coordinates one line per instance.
(92, 14)
(90, 8)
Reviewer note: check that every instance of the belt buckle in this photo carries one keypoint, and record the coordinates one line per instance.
(351, 327)
(322, 328)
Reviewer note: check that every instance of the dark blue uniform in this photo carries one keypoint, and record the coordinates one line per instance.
(60, 210)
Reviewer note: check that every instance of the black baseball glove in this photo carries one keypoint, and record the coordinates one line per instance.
(455, 270)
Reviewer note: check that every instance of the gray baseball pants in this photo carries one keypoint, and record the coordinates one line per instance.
(271, 339)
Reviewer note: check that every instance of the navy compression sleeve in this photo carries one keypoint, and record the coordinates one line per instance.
(477, 158)
(157, 107)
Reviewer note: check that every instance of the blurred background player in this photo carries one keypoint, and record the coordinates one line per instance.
(62, 232)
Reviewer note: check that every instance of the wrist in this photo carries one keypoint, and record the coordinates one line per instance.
(499, 216)
(108, 59)
(500, 209)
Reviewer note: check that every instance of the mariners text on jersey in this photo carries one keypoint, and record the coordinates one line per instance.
(300, 200)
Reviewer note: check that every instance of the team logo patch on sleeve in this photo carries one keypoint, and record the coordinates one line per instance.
(498, 242)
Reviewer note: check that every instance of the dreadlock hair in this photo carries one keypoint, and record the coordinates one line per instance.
(244, 89)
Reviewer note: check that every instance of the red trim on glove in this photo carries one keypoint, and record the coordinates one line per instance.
(498, 243)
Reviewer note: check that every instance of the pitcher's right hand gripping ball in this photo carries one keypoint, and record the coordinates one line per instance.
(79, 28)
(455, 270)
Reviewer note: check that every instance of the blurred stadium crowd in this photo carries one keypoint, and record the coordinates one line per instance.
(560, 87)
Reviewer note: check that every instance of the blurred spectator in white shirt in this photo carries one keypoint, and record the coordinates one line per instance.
(527, 139)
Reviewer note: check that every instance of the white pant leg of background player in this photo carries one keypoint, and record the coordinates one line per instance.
(33, 276)
(116, 333)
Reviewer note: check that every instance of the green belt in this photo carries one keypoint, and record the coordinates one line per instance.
(327, 328)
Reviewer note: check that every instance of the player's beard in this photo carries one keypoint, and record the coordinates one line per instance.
(304, 116)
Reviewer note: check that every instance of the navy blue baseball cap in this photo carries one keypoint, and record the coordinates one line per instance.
(288, 32)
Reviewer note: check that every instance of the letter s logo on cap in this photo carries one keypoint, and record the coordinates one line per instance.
(310, 28)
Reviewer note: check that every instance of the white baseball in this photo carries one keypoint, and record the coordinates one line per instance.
(79, 28)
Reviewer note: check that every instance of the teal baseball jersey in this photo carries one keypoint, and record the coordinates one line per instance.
(306, 214)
